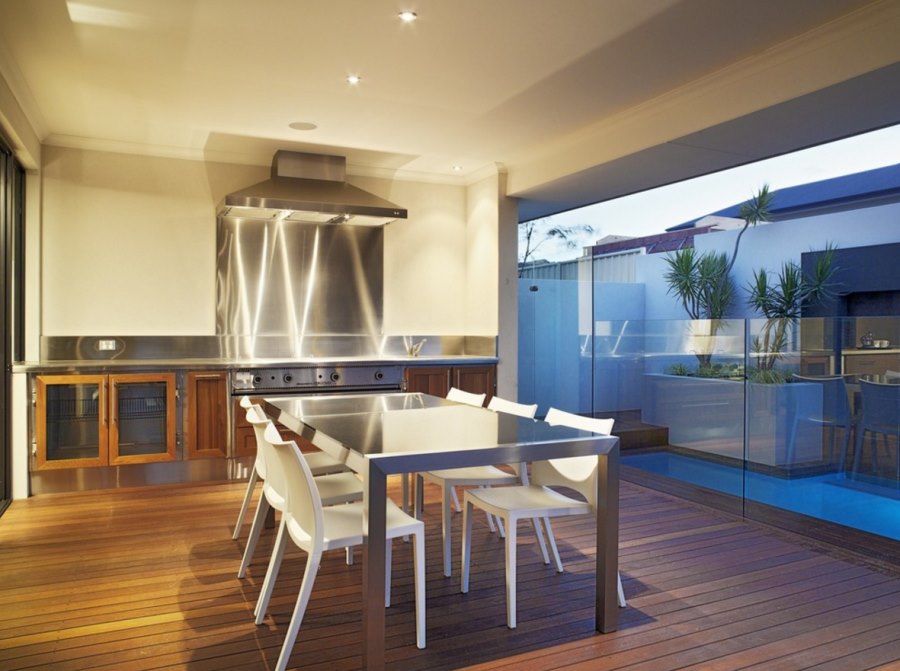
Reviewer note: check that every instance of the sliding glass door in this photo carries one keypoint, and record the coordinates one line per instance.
(12, 200)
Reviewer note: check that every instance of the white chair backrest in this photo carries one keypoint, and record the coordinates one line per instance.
(597, 425)
(502, 405)
(578, 473)
(302, 501)
(246, 404)
(466, 397)
(273, 477)
(891, 374)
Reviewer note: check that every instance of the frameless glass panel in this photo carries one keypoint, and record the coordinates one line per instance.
(73, 421)
(812, 448)
(555, 359)
(141, 416)
(692, 404)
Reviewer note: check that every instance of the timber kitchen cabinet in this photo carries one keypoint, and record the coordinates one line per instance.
(206, 411)
(104, 420)
(437, 380)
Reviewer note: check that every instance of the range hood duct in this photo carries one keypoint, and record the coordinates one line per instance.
(309, 188)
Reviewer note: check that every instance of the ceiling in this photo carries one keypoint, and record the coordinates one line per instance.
(578, 101)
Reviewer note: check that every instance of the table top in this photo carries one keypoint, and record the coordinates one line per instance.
(421, 432)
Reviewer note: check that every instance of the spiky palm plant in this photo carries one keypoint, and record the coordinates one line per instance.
(780, 299)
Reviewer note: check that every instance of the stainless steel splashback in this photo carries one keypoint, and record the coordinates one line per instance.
(278, 278)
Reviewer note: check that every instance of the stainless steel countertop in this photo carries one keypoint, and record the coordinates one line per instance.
(104, 365)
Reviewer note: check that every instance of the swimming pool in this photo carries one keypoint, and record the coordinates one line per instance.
(871, 505)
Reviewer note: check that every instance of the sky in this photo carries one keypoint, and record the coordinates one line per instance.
(656, 210)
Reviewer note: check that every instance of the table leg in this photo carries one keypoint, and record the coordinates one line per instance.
(607, 614)
(374, 532)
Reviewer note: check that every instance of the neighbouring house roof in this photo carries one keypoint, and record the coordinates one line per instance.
(861, 189)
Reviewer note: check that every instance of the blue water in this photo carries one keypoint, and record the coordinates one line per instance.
(870, 506)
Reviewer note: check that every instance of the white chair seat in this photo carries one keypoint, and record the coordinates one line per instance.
(337, 488)
(321, 463)
(526, 502)
(344, 525)
(485, 475)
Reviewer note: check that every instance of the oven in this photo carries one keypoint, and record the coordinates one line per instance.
(316, 379)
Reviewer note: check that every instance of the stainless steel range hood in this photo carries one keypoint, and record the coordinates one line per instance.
(309, 188)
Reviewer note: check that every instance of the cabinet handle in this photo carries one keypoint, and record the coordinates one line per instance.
(114, 405)
(103, 402)
(207, 376)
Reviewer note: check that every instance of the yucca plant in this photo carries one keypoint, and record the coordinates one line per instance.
(780, 298)
(702, 282)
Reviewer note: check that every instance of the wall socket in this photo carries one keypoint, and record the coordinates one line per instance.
(106, 345)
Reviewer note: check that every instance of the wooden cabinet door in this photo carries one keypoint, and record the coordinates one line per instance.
(434, 380)
(141, 418)
(476, 379)
(71, 421)
(244, 435)
(206, 408)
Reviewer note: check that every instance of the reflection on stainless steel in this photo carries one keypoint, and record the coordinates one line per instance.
(275, 278)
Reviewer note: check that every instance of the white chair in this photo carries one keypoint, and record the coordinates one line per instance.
(538, 500)
(474, 476)
(319, 463)
(333, 489)
(316, 529)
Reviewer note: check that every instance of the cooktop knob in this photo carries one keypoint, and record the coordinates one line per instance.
(335, 376)
(257, 379)
(379, 375)
(288, 378)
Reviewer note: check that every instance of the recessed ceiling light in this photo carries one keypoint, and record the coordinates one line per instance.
(353, 80)
(303, 125)
(408, 16)
(457, 168)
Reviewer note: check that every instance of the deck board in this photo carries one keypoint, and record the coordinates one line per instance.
(145, 580)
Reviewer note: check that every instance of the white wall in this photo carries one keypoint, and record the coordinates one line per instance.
(425, 260)
(128, 245)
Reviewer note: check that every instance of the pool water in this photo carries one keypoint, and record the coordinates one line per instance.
(871, 505)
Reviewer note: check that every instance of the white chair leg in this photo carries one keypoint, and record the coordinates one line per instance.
(620, 593)
(388, 558)
(455, 499)
(259, 520)
(466, 547)
(419, 550)
(511, 573)
(552, 539)
(490, 523)
(262, 603)
(500, 528)
(445, 527)
(536, 523)
(309, 577)
(254, 476)
(348, 551)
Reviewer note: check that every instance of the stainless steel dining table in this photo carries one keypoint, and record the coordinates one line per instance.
(383, 434)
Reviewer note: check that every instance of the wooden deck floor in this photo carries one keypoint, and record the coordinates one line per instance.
(145, 579)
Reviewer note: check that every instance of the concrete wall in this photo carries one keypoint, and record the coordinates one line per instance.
(769, 245)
